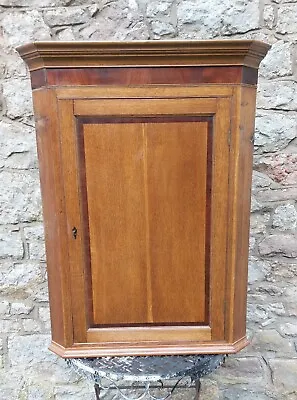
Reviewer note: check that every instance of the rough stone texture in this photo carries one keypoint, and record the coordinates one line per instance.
(274, 131)
(68, 16)
(265, 370)
(35, 239)
(17, 146)
(285, 245)
(20, 197)
(18, 99)
(286, 13)
(22, 27)
(278, 61)
(206, 19)
(281, 167)
(285, 217)
(10, 243)
(284, 374)
(281, 95)
(270, 343)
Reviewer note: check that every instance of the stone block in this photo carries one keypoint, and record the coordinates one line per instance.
(66, 34)
(16, 278)
(286, 13)
(240, 370)
(240, 392)
(260, 180)
(21, 308)
(18, 98)
(281, 95)
(285, 217)
(272, 343)
(256, 313)
(119, 20)
(281, 167)
(10, 243)
(207, 19)
(30, 326)
(277, 195)
(14, 66)
(61, 16)
(4, 308)
(269, 16)
(23, 27)
(30, 350)
(256, 206)
(80, 391)
(17, 146)
(278, 61)
(33, 3)
(285, 245)
(20, 199)
(284, 374)
(259, 222)
(289, 329)
(38, 390)
(274, 131)
(35, 239)
(161, 17)
(257, 270)
(44, 315)
(9, 326)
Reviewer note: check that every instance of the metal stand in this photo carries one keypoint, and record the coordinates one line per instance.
(145, 375)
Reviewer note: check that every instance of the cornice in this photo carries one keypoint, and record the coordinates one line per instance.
(143, 53)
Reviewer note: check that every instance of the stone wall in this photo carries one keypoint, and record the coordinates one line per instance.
(267, 369)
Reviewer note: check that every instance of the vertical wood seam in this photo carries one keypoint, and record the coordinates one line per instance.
(147, 228)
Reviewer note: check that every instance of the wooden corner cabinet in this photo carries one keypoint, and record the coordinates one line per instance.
(145, 153)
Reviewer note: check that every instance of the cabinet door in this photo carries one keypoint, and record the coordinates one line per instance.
(146, 186)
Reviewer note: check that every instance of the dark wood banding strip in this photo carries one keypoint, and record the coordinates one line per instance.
(38, 79)
(144, 76)
(249, 76)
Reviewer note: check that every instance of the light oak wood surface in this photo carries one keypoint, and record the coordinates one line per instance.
(145, 153)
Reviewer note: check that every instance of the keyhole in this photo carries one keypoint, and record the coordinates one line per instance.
(74, 232)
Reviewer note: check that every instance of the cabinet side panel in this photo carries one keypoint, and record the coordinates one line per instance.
(53, 213)
(244, 120)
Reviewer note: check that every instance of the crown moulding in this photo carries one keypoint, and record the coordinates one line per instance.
(145, 53)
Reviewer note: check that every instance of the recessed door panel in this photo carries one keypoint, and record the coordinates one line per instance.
(114, 167)
(176, 191)
(145, 188)
(147, 264)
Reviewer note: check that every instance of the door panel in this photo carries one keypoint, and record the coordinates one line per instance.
(151, 223)
(176, 194)
(116, 213)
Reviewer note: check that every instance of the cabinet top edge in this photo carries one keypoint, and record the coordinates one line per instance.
(53, 54)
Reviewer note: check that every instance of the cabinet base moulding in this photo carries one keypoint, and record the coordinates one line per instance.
(116, 349)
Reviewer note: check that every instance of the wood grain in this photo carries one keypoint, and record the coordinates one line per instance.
(149, 53)
(143, 76)
(114, 176)
(240, 196)
(145, 148)
(142, 92)
(176, 180)
(51, 178)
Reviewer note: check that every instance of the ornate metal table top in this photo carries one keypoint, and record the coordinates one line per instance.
(108, 372)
